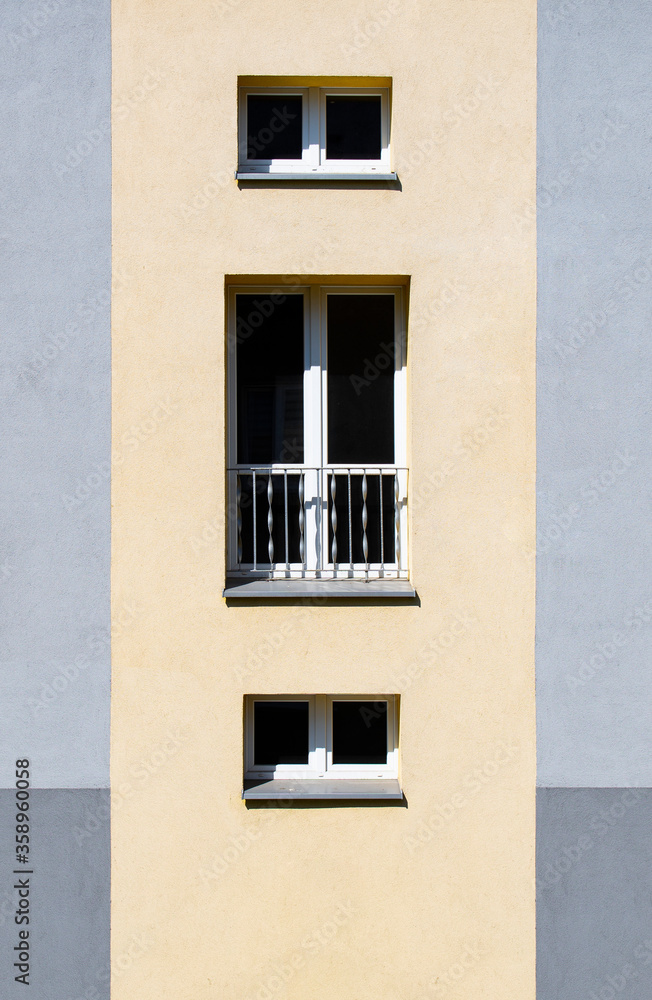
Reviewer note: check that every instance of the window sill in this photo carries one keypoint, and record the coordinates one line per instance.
(242, 589)
(323, 788)
(314, 175)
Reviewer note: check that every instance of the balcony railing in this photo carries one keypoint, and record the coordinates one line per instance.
(332, 523)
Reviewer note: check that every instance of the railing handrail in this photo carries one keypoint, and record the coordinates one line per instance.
(325, 540)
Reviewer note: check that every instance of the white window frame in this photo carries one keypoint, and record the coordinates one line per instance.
(321, 741)
(313, 160)
(315, 403)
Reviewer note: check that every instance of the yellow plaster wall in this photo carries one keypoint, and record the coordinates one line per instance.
(210, 899)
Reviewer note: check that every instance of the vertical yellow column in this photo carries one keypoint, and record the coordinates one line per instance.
(209, 898)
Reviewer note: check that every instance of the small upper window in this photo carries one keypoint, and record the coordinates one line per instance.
(337, 132)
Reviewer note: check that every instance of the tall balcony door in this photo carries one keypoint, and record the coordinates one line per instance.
(317, 476)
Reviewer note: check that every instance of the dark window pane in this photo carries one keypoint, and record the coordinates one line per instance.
(353, 128)
(269, 379)
(274, 127)
(278, 514)
(377, 527)
(361, 379)
(359, 732)
(281, 732)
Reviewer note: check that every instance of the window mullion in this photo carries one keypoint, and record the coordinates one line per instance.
(321, 703)
(313, 127)
(312, 432)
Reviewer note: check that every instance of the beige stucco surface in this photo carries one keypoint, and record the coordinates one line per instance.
(210, 899)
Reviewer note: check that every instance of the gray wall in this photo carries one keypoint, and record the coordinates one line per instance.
(55, 390)
(55, 379)
(594, 537)
(594, 373)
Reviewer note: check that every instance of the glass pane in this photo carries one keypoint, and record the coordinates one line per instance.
(361, 379)
(351, 508)
(281, 732)
(353, 128)
(269, 354)
(359, 732)
(278, 514)
(274, 127)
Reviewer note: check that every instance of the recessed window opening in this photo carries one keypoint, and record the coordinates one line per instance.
(321, 736)
(317, 435)
(311, 131)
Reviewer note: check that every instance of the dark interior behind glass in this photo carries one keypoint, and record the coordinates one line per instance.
(361, 359)
(359, 732)
(274, 127)
(270, 364)
(353, 128)
(281, 732)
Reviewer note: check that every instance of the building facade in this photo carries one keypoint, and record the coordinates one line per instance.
(326, 387)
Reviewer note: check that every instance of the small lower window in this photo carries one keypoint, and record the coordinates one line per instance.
(321, 738)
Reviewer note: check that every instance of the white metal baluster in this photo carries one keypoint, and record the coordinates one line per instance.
(348, 474)
(334, 522)
(397, 523)
(287, 541)
(270, 520)
(302, 522)
(365, 543)
(382, 540)
(238, 516)
(253, 472)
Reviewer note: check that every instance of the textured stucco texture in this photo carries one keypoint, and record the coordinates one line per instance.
(55, 396)
(594, 371)
(594, 881)
(236, 900)
(69, 898)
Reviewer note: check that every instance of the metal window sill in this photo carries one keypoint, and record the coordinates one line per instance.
(323, 788)
(314, 175)
(242, 589)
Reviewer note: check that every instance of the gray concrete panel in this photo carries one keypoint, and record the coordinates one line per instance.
(594, 885)
(55, 379)
(594, 371)
(66, 898)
